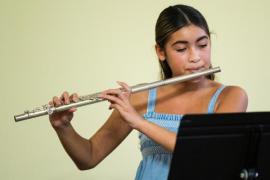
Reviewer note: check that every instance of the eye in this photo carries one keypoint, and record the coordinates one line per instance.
(203, 45)
(181, 50)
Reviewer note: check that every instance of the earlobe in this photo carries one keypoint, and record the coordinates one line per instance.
(160, 53)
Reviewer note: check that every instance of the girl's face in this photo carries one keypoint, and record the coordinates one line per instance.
(187, 50)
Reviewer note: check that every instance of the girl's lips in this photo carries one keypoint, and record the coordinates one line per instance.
(195, 69)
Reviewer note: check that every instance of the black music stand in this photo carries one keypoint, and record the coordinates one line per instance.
(229, 146)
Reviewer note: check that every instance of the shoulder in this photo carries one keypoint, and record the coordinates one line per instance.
(234, 92)
(232, 99)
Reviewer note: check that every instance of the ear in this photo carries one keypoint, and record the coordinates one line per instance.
(160, 53)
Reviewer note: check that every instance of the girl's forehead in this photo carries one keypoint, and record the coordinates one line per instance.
(189, 33)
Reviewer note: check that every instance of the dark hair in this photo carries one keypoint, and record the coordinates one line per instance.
(172, 19)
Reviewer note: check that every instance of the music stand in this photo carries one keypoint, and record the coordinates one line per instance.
(228, 146)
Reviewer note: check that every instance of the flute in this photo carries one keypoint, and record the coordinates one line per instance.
(93, 98)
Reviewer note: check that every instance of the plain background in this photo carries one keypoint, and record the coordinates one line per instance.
(85, 46)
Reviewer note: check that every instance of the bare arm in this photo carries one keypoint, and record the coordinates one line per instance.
(232, 99)
(160, 135)
(120, 101)
(87, 153)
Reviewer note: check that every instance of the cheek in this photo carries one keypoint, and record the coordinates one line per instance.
(177, 56)
(206, 56)
(176, 59)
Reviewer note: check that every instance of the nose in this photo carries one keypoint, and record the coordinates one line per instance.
(194, 55)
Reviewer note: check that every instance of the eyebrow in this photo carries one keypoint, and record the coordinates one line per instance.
(186, 42)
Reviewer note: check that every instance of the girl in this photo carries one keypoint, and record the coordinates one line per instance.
(183, 46)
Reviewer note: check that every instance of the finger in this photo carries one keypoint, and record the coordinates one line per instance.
(111, 107)
(50, 103)
(101, 94)
(114, 100)
(65, 97)
(112, 92)
(56, 101)
(74, 97)
(126, 91)
(124, 86)
(115, 106)
(72, 110)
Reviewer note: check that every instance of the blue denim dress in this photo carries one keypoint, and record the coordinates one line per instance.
(156, 160)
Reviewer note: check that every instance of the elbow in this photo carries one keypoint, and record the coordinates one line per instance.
(84, 167)
(86, 162)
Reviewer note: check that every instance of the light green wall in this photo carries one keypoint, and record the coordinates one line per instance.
(83, 46)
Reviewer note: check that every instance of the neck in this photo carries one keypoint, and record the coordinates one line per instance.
(188, 86)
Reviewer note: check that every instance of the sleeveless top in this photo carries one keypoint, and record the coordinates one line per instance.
(156, 160)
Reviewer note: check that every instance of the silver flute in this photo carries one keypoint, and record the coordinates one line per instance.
(93, 98)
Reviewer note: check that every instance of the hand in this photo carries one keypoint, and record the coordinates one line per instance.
(120, 100)
(62, 119)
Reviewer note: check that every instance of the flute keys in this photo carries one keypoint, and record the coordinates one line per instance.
(50, 110)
